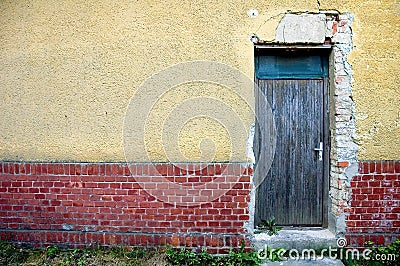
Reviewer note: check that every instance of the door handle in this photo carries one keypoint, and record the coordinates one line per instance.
(320, 149)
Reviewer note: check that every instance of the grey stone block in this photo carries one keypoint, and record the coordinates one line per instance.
(303, 28)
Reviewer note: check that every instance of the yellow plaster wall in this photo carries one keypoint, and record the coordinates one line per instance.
(376, 69)
(69, 68)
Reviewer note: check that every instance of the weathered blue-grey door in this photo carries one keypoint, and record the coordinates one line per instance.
(295, 85)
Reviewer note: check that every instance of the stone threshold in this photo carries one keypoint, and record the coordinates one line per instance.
(319, 262)
(297, 238)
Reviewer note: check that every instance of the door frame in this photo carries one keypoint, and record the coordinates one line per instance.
(327, 100)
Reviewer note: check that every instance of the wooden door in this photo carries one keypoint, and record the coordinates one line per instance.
(295, 188)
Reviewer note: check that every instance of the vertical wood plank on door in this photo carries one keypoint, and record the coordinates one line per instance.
(293, 190)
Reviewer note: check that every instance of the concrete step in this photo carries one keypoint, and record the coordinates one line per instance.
(292, 262)
(288, 239)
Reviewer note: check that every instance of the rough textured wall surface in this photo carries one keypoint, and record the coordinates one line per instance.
(68, 71)
(376, 79)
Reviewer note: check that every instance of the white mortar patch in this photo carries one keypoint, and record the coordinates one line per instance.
(303, 28)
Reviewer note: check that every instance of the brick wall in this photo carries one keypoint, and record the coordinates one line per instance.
(90, 204)
(374, 212)
(83, 204)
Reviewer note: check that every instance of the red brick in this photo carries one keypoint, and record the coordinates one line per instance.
(361, 184)
(161, 169)
(175, 240)
(16, 168)
(78, 170)
(242, 205)
(249, 170)
(390, 167)
(201, 224)
(175, 211)
(392, 177)
(58, 169)
(385, 167)
(84, 169)
(226, 211)
(387, 183)
(120, 170)
(102, 169)
(396, 196)
(397, 167)
(378, 167)
(33, 190)
(242, 192)
(8, 168)
(200, 211)
(367, 177)
(204, 170)
(356, 203)
(396, 223)
(225, 199)
(211, 170)
(193, 179)
(176, 170)
(230, 205)
(21, 168)
(40, 196)
(109, 169)
(374, 183)
(127, 170)
(180, 179)
(213, 223)
(27, 184)
(359, 197)
(362, 167)
(213, 211)
(238, 186)
(373, 197)
(244, 179)
(354, 217)
(391, 216)
(372, 167)
(219, 168)
(188, 224)
(244, 217)
(77, 203)
(126, 185)
(38, 169)
(27, 169)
